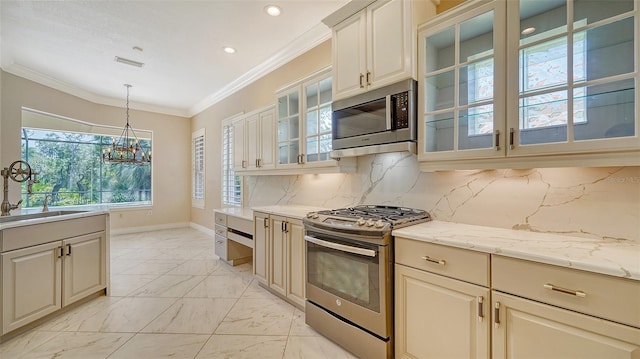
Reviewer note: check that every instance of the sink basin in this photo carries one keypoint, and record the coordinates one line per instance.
(22, 217)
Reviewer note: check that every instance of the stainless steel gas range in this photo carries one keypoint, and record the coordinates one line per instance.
(349, 283)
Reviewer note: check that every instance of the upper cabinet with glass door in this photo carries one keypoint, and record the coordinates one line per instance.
(462, 85)
(553, 81)
(304, 131)
(574, 65)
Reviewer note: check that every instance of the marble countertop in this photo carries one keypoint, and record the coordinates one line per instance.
(612, 257)
(14, 220)
(291, 211)
(240, 212)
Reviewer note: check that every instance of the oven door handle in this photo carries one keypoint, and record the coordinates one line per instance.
(341, 247)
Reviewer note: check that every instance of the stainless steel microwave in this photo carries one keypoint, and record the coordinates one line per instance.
(381, 120)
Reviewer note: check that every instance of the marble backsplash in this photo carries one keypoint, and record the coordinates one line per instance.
(587, 202)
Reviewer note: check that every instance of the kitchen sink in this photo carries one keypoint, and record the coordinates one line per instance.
(22, 217)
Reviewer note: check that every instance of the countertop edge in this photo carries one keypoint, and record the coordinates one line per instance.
(603, 258)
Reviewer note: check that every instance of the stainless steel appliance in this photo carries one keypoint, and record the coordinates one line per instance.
(350, 275)
(381, 120)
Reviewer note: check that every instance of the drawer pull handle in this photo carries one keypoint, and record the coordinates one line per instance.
(577, 293)
(436, 261)
(219, 242)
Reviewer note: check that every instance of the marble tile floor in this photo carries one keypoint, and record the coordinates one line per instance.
(171, 297)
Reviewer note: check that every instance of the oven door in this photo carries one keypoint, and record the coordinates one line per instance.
(352, 280)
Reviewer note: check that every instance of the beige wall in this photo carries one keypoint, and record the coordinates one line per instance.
(171, 146)
(258, 94)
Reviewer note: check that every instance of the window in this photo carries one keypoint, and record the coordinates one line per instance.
(231, 184)
(67, 153)
(197, 168)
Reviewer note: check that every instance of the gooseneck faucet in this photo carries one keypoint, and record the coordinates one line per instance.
(18, 171)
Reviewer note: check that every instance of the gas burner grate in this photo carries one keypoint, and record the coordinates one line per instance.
(396, 216)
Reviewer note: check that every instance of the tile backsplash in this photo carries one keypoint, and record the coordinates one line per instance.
(588, 202)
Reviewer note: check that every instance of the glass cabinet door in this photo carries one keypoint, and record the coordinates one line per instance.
(462, 90)
(576, 74)
(289, 128)
(318, 120)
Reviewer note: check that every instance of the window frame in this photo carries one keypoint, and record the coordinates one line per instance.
(44, 121)
(229, 197)
(198, 168)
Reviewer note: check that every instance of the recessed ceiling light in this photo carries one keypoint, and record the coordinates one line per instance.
(529, 30)
(273, 10)
(229, 50)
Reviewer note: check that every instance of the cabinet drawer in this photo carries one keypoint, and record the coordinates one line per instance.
(221, 230)
(221, 247)
(221, 219)
(240, 224)
(452, 262)
(27, 236)
(596, 294)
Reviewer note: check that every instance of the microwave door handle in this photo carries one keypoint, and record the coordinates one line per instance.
(341, 247)
(388, 112)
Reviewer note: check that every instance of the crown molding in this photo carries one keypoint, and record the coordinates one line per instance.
(42, 79)
(310, 39)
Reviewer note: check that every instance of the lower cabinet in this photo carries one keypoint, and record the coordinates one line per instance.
(528, 329)
(260, 246)
(39, 280)
(445, 307)
(439, 317)
(279, 255)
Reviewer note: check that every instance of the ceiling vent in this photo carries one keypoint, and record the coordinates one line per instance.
(122, 60)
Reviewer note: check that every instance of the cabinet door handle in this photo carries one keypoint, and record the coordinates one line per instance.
(361, 81)
(577, 293)
(68, 249)
(441, 262)
(302, 158)
(60, 252)
(265, 222)
(219, 242)
(496, 315)
(511, 134)
(480, 308)
(244, 164)
(368, 78)
(497, 140)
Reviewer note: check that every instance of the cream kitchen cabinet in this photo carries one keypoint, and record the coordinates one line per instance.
(253, 140)
(233, 238)
(261, 238)
(441, 301)
(279, 256)
(40, 279)
(511, 84)
(375, 46)
(544, 311)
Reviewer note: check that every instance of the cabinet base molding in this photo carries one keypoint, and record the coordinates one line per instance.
(44, 319)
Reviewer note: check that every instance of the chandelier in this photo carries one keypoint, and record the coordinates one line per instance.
(126, 149)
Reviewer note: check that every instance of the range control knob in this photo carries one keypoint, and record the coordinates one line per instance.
(360, 221)
(310, 215)
(315, 216)
(379, 223)
(370, 223)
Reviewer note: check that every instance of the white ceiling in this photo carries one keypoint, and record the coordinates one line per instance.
(71, 45)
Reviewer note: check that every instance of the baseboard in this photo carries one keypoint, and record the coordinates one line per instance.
(203, 229)
(129, 230)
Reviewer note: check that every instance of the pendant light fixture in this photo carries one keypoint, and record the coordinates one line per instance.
(126, 149)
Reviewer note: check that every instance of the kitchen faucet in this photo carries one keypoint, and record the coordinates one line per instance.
(18, 171)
